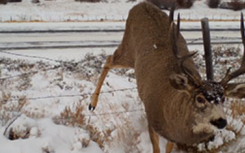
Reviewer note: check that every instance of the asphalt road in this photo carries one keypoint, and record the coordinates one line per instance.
(16, 40)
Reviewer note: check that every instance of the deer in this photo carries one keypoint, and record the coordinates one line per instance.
(180, 106)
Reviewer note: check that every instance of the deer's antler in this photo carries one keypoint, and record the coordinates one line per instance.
(171, 14)
(171, 19)
(181, 59)
(229, 76)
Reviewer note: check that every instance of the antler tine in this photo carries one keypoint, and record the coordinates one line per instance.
(178, 26)
(173, 36)
(241, 70)
(193, 79)
(181, 60)
(173, 40)
(171, 15)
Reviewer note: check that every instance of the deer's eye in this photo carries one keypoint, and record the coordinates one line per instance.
(200, 99)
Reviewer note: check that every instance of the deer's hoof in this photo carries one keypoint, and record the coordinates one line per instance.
(91, 108)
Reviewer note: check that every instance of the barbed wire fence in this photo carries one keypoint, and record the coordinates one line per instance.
(60, 62)
(35, 57)
(83, 95)
(53, 68)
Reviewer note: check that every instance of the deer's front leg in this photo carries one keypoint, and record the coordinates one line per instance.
(169, 147)
(95, 96)
(154, 140)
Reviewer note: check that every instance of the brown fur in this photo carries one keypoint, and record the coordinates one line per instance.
(146, 47)
(153, 66)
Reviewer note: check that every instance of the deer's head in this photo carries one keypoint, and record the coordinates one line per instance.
(206, 96)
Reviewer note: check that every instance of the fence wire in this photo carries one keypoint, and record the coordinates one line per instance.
(29, 56)
(70, 96)
(112, 113)
(28, 73)
(35, 57)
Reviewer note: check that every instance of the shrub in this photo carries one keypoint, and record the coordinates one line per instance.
(213, 3)
(92, 1)
(14, 1)
(185, 3)
(155, 2)
(166, 4)
(236, 5)
(3, 1)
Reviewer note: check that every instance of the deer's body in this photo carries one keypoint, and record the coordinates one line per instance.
(179, 105)
(148, 46)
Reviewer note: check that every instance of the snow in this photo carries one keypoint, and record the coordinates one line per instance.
(53, 138)
(69, 10)
(46, 119)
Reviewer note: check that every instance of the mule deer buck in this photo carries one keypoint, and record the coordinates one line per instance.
(179, 105)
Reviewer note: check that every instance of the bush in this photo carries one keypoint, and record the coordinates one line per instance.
(213, 3)
(3, 1)
(155, 2)
(166, 4)
(92, 1)
(185, 3)
(236, 5)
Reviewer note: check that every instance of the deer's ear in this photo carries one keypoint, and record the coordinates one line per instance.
(180, 82)
(235, 90)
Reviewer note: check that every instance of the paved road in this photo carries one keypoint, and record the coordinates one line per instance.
(98, 35)
(15, 41)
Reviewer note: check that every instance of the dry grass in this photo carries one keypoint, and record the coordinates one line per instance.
(8, 109)
(238, 109)
(71, 117)
(75, 116)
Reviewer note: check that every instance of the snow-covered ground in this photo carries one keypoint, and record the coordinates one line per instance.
(45, 100)
(49, 99)
(69, 10)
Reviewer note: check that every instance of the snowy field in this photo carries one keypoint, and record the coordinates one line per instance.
(44, 94)
(110, 10)
(49, 99)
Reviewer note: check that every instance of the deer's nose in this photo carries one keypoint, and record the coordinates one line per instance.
(219, 123)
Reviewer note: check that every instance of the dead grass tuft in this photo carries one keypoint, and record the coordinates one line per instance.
(238, 109)
(71, 117)
(8, 109)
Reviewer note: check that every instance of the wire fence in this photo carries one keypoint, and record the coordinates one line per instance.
(70, 95)
(118, 112)
(58, 66)
(84, 95)
(29, 56)
(36, 71)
